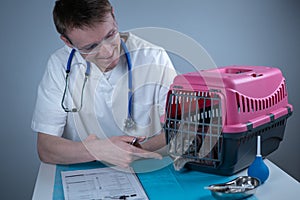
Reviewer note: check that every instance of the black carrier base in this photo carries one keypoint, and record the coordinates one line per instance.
(239, 149)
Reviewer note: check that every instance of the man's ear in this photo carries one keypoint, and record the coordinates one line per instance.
(66, 41)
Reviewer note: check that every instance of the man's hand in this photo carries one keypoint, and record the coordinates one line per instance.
(117, 150)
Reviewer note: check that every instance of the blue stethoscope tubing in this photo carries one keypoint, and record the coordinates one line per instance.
(129, 65)
(69, 63)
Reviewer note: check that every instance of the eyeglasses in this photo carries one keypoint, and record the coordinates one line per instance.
(110, 38)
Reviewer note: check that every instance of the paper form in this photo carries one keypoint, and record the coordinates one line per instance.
(101, 183)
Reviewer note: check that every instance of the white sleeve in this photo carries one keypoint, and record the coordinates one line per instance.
(48, 116)
(167, 77)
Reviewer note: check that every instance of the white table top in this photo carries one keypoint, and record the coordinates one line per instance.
(278, 186)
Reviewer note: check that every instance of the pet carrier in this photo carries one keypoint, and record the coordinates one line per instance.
(213, 117)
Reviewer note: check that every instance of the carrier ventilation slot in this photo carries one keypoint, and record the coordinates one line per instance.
(246, 104)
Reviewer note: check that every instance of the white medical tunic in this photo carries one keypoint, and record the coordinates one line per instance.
(152, 74)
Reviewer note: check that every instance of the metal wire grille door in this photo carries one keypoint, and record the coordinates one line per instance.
(194, 126)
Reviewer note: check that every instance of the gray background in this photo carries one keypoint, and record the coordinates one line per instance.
(233, 32)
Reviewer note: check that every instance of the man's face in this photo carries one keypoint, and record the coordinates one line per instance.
(99, 44)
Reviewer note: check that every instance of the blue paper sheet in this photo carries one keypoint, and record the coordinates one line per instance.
(164, 183)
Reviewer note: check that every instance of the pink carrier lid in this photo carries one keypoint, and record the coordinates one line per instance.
(253, 94)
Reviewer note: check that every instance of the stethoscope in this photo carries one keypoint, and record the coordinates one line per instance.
(129, 122)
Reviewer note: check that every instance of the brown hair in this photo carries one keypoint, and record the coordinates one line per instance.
(69, 14)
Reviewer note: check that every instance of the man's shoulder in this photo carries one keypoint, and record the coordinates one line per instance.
(61, 53)
(135, 42)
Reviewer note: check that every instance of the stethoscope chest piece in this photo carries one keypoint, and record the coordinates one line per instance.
(129, 123)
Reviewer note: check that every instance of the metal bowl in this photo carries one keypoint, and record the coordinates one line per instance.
(238, 188)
